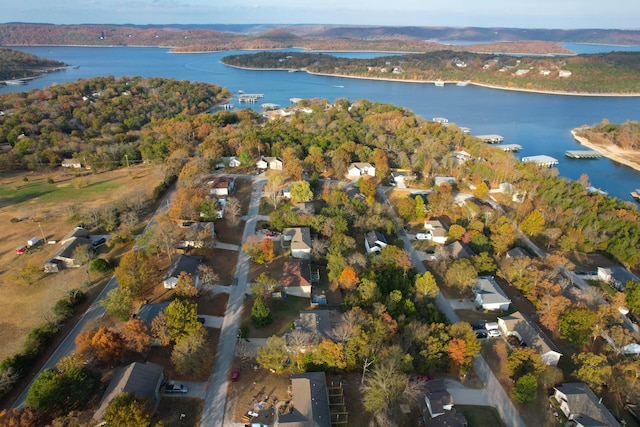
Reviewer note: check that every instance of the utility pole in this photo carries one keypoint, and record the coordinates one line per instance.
(43, 236)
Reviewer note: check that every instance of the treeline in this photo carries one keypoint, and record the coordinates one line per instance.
(97, 121)
(19, 65)
(625, 135)
(616, 72)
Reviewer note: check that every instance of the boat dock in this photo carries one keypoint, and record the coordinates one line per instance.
(541, 160)
(442, 120)
(582, 154)
(491, 139)
(250, 97)
(268, 106)
(510, 147)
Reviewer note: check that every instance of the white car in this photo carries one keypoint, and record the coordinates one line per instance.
(424, 236)
(493, 333)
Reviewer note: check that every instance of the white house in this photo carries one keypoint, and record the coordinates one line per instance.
(296, 278)
(300, 240)
(269, 163)
(580, 405)
(516, 324)
(617, 276)
(360, 168)
(221, 185)
(438, 231)
(439, 180)
(374, 241)
(231, 162)
(489, 296)
(180, 264)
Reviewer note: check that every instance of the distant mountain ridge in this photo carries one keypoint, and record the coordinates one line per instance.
(317, 37)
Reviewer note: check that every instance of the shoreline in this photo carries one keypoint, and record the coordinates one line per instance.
(611, 152)
(486, 85)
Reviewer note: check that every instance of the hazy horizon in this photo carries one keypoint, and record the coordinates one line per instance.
(537, 14)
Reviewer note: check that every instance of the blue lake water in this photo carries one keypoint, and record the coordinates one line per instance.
(540, 123)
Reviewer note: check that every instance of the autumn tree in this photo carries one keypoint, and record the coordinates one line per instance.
(381, 162)
(135, 273)
(524, 360)
(457, 348)
(550, 307)
(128, 410)
(27, 273)
(456, 232)
(329, 355)
(275, 181)
(273, 354)
(426, 286)
(593, 369)
(348, 278)
(136, 335)
(160, 330)
(185, 285)
(533, 224)
(108, 345)
(119, 303)
(182, 319)
(164, 235)
(460, 274)
(268, 250)
(502, 235)
(384, 386)
(481, 192)
(192, 355)
(301, 192)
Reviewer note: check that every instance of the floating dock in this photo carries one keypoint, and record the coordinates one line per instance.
(295, 100)
(510, 147)
(268, 106)
(582, 154)
(250, 97)
(491, 139)
(442, 120)
(541, 160)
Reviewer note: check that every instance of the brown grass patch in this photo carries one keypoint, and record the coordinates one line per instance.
(171, 409)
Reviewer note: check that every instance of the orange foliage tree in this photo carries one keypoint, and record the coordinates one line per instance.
(457, 349)
(108, 345)
(136, 335)
(268, 250)
(348, 278)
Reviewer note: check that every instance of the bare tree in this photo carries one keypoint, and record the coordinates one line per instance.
(318, 247)
(83, 254)
(232, 211)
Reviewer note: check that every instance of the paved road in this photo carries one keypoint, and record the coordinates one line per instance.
(214, 404)
(492, 388)
(68, 345)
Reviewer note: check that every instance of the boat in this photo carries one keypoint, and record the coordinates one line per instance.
(636, 194)
(439, 83)
(462, 83)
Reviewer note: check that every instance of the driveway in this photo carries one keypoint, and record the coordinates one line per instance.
(195, 389)
(466, 396)
(212, 321)
(462, 304)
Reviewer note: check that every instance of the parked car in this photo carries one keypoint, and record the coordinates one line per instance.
(424, 236)
(477, 326)
(235, 375)
(481, 335)
(202, 320)
(632, 318)
(98, 242)
(175, 388)
(493, 333)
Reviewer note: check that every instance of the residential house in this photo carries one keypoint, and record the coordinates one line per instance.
(198, 235)
(296, 278)
(580, 405)
(438, 410)
(517, 252)
(300, 240)
(71, 163)
(269, 163)
(462, 156)
(315, 325)
(231, 162)
(141, 379)
(459, 250)
(402, 177)
(564, 73)
(489, 295)
(438, 231)
(360, 168)
(148, 312)
(182, 264)
(617, 276)
(221, 185)
(516, 324)
(374, 241)
(310, 402)
(439, 180)
(286, 192)
(65, 257)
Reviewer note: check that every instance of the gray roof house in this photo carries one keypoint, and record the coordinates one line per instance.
(518, 325)
(64, 256)
(458, 250)
(438, 410)
(489, 295)
(581, 406)
(300, 239)
(374, 241)
(310, 402)
(316, 325)
(180, 264)
(141, 379)
(517, 252)
(617, 276)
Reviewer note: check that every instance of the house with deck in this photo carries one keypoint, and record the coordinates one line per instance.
(296, 278)
(309, 402)
(360, 168)
(299, 239)
(489, 296)
(528, 333)
(182, 264)
(617, 276)
(580, 405)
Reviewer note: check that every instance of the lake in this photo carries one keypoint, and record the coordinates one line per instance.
(540, 123)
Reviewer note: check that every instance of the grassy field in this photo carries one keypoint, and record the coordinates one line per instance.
(41, 210)
(480, 416)
(171, 409)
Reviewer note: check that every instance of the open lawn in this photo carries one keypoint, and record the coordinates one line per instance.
(480, 416)
(171, 411)
(43, 210)
(284, 311)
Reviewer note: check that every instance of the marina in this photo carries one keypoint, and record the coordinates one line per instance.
(249, 97)
(510, 148)
(491, 138)
(541, 160)
(582, 154)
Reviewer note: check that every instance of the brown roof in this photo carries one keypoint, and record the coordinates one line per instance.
(221, 182)
(296, 273)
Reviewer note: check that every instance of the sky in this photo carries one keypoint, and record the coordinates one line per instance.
(561, 14)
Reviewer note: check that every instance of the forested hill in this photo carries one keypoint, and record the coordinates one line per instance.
(623, 135)
(610, 73)
(20, 65)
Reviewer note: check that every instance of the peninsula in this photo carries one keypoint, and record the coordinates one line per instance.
(613, 141)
